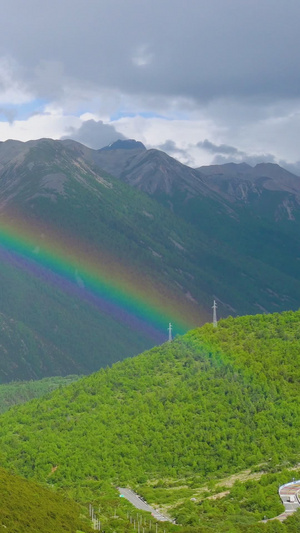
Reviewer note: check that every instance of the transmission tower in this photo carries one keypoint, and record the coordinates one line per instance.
(170, 332)
(215, 322)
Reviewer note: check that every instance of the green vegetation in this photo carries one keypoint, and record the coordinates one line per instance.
(211, 403)
(26, 506)
(236, 506)
(22, 391)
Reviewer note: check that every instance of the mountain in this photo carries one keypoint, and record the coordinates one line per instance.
(209, 404)
(94, 266)
(89, 266)
(155, 172)
(246, 184)
(128, 144)
(253, 212)
(266, 203)
(151, 171)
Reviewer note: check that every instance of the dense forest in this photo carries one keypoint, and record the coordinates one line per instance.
(211, 403)
(17, 392)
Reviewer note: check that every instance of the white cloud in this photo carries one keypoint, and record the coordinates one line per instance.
(226, 72)
(94, 134)
(234, 130)
(142, 56)
(155, 131)
(38, 126)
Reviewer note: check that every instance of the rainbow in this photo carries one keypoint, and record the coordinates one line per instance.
(94, 276)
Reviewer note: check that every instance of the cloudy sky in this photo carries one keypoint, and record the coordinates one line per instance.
(208, 81)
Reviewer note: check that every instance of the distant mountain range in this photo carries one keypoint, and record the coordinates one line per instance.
(153, 171)
(100, 249)
(254, 211)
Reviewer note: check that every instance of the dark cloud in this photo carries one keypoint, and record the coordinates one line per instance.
(170, 147)
(232, 65)
(229, 154)
(224, 153)
(218, 149)
(198, 50)
(251, 159)
(94, 134)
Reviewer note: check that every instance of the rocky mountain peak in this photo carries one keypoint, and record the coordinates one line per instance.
(126, 144)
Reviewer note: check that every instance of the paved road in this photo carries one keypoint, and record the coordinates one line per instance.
(286, 492)
(137, 501)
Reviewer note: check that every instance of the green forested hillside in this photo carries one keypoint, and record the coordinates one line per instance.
(22, 391)
(212, 402)
(27, 507)
(236, 508)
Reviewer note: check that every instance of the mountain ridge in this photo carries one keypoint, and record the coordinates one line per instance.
(178, 248)
(133, 161)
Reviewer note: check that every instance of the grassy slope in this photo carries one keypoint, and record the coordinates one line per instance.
(26, 506)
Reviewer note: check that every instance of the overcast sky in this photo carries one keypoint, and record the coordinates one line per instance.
(208, 81)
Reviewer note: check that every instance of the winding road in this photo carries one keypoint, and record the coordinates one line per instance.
(290, 497)
(289, 494)
(139, 503)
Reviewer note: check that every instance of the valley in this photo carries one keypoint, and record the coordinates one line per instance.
(149, 266)
(100, 250)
